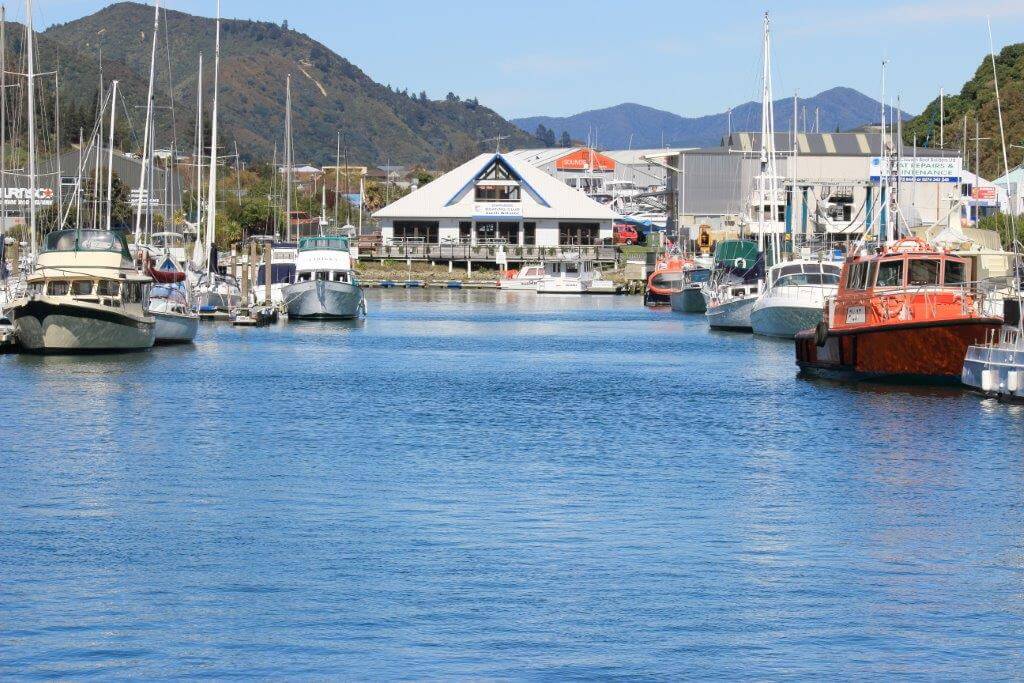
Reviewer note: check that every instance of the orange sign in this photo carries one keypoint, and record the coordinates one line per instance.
(585, 160)
(988, 193)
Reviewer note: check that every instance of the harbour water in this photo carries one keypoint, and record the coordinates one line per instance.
(486, 484)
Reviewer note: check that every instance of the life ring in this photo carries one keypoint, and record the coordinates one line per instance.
(740, 263)
(821, 333)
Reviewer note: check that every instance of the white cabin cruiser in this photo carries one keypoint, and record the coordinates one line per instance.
(794, 297)
(525, 280)
(84, 294)
(573, 277)
(325, 285)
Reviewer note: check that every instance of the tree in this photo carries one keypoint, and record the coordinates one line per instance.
(545, 135)
(566, 140)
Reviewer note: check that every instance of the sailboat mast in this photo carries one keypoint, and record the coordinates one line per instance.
(211, 194)
(288, 157)
(337, 170)
(883, 166)
(30, 48)
(146, 141)
(110, 155)
(199, 148)
(3, 114)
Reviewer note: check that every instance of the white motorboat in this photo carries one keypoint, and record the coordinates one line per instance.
(577, 276)
(325, 285)
(176, 322)
(84, 294)
(996, 367)
(794, 297)
(526, 278)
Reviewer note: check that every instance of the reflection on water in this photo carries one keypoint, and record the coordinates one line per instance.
(498, 484)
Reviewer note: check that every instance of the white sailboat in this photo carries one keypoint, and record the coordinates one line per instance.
(731, 302)
(214, 292)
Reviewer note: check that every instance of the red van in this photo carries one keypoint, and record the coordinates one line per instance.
(624, 233)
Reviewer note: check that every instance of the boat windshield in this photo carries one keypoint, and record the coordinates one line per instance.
(85, 240)
(318, 243)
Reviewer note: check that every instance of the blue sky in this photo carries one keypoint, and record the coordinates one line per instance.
(559, 57)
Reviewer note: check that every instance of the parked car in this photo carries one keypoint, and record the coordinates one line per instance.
(624, 233)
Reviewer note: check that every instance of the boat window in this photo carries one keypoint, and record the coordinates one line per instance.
(108, 288)
(831, 268)
(857, 277)
(321, 275)
(57, 288)
(890, 274)
(35, 288)
(572, 268)
(132, 293)
(956, 273)
(81, 287)
(924, 272)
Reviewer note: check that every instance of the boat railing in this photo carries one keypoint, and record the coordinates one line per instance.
(914, 302)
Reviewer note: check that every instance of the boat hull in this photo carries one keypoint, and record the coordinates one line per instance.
(174, 328)
(733, 315)
(929, 351)
(46, 327)
(688, 301)
(995, 370)
(783, 320)
(323, 300)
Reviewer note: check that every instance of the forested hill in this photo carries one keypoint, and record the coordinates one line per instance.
(977, 101)
(329, 93)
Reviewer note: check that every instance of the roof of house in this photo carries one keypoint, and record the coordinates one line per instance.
(543, 196)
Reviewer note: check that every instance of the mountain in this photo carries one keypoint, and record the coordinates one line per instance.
(329, 93)
(638, 126)
(977, 101)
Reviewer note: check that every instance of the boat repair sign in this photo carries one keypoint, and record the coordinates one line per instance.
(920, 169)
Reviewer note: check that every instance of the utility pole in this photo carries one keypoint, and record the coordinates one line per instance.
(942, 118)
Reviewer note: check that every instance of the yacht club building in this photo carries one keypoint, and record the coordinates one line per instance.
(495, 199)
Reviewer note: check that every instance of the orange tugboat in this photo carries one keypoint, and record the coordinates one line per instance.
(907, 312)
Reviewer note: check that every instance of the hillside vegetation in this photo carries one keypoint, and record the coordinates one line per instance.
(329, 93)
(977, 101)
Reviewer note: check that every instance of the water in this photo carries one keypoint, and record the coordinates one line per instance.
(472, 484)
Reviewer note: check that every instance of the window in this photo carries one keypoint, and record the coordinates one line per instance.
(890, 274)
(923, 272)
(497, 193)
(321, 275)
(132, 292)
(956, 273)
(57, 288)
(529, 234)
(108, 288)
(81, 287)
(577, 233)
(421, 231)
(465, 229)
(509, 232)
(857, 276)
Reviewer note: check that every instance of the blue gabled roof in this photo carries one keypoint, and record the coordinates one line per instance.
(507, 165)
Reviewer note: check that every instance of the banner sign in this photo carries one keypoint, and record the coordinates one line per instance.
(984, 193)
(585, 160)
(20, 197)
(497, 210)
(920, 169)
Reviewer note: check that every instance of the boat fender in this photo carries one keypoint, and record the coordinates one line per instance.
(741, 263)
(821, 333)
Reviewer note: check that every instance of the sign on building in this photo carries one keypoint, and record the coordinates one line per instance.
(146, 200)
(920, 169)
(497, 210)
(20, 197)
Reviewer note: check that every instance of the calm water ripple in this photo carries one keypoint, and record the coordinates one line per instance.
(478, 484)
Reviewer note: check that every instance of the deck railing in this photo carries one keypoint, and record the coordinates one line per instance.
(411, 248)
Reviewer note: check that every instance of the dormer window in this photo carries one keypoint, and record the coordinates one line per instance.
(492, 192)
